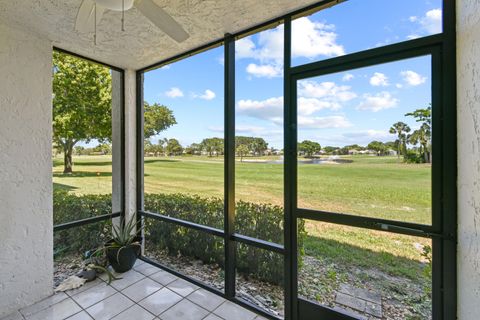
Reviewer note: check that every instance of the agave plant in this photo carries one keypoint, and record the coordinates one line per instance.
(123, 234)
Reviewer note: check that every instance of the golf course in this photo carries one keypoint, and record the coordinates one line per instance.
(382, 187)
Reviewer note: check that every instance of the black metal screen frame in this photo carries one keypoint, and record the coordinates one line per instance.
(442, 231)
(121, 213)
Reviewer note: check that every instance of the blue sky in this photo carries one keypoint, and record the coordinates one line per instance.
(338, 109)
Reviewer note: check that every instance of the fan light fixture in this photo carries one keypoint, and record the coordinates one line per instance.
(91, 12)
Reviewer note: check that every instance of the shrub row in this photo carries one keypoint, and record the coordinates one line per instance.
(69, 207)
(263, 221)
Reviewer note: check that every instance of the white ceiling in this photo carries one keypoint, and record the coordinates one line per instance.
(141, 44)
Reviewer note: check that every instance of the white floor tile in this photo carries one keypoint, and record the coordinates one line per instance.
(160, 301)
(163, 277)
(182, 287)
(59, 311)
(43, 304)
(80, 316)
(13, 316)
(128, 278)
(93, 295)
(135, 312)
(147, 269)
(211, 316)
(184, 310)
(206, 299)
(231, 311)
(142, 289)
(110, 307)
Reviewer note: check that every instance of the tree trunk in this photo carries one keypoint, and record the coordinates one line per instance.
(67, 158)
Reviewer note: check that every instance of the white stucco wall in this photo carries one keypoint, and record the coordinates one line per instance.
(468, 91)
(26, 265)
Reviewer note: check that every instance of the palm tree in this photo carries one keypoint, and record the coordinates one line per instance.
(401, 129)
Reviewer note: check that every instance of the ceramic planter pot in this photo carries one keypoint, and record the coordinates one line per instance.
(122, 259)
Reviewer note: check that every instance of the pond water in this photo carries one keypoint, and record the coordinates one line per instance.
(329, 160)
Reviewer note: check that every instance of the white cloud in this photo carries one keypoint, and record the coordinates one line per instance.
(208, 95)
(377, 102)
(412, 78)
(326, 90)
(269, 109)
(309, 39)
(348, 77)
(307, 106)
(312, 39)
(266, 70)
(216, 129)
(174, 92)
(399, 85)
(323, 122)
(430, 23)
(379, 79)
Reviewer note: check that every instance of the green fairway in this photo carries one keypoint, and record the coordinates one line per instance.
(370, 186)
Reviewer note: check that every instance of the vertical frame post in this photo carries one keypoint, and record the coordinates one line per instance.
(139, 149)
(229, 166)
(289, 178)
(449, 159)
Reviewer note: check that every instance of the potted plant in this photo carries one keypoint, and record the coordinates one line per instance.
(124, 248)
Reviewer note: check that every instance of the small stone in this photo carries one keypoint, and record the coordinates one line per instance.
(88, 275)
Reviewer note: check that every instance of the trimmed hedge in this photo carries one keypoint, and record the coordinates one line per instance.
(263, 221)
(69, 207)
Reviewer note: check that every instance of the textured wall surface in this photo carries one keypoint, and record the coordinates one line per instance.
(141, 43)
(26, 265)
(468, 90)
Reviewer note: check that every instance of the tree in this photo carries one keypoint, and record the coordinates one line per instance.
(377, 146)
(329, 149)
(309, 147)
(173, 147)
(401, 129)
(423, 135)
(157, 118)
(82, 103)
(242, 151)
(82, 106)
(255, 145)
(212, 145)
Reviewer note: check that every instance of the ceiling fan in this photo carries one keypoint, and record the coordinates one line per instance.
(91, 11)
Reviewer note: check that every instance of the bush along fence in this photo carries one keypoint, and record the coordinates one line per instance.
(262, 221)
(69, 207)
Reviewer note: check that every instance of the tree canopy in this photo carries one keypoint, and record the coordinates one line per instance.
(309, 147)
(82, 106)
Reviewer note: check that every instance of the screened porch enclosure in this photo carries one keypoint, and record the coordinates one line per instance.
(298, 165)
(208, 230)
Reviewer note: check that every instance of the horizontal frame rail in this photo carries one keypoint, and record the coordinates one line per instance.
(390, 53)
(207, 287)
(183, 223)
(255, 242)
(82, 222)
(406, 228)
(262, 244)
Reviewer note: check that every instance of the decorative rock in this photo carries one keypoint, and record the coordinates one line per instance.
(88, 275)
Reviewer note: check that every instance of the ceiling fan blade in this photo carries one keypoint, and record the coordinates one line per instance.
(86, 16)
(162, 20)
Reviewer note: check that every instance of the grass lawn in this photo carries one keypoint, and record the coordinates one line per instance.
(368, 186)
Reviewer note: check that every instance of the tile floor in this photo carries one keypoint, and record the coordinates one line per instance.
(144, 293)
